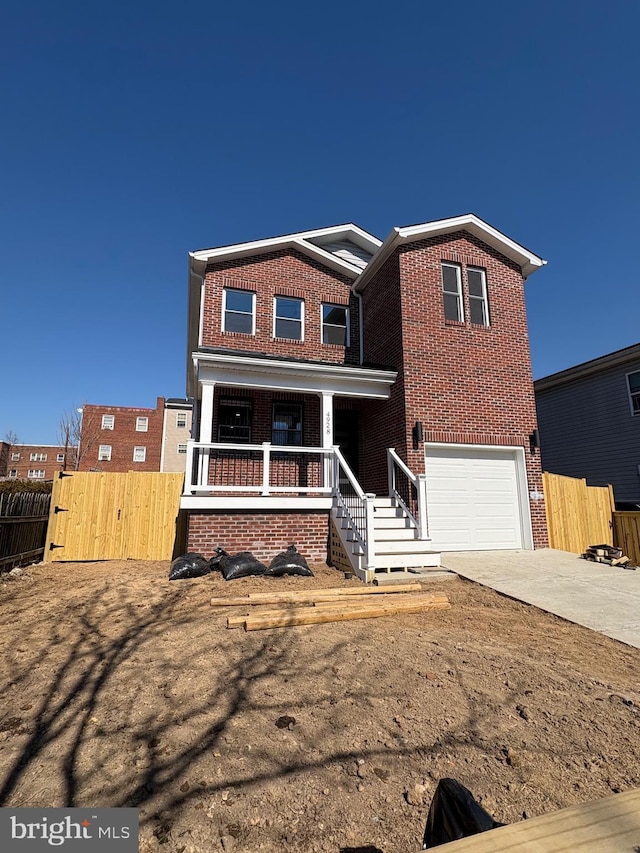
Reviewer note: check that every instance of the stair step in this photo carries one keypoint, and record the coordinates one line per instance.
(398, 521)
(405, 546)
(389, 512)
(383, 502)
(408, 561)
(400, 534)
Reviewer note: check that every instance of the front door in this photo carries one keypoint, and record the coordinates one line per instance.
(346, 435)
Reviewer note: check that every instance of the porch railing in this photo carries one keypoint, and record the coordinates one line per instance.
(257, 469)
(409, 490)
(356, 505)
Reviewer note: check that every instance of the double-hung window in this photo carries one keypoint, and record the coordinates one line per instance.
(288, 318)
(142, 424)
(452, 292)
(239, 311)
(287, 424)
(38, 457)
(36, 474)
(15, 457)
(478, 302)
(108, 421)
(633, 381)
(13, 473)
(139, 454)
(335, 325)
(60, 457)
(181, 419)
(104, 453)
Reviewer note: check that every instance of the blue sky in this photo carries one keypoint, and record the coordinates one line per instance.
(133, 132)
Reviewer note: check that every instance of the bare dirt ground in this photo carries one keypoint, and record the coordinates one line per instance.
(119, 688)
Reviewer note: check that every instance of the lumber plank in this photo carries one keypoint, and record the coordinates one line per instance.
(609, 825)
(312, 595)
(314, 615)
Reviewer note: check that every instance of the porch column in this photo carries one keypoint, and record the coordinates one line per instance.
(206, 431)
(326, 429)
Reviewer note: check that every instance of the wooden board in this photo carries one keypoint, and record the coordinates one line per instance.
(611, 825)
(330, 593)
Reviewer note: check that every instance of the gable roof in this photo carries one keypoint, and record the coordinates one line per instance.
(526, 260)
(628, 355)
(344, 248)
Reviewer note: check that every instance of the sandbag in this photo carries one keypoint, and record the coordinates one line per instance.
(288, 562)
(189, 566)
(241, 565)
(217, 558)
(454, 813)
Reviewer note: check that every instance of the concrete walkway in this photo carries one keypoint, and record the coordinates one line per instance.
(603, 598)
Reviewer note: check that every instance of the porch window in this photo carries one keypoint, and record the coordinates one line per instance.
(288, 318)
(335, 325)
(287, 424)
(234, 421)
(452, 292)
(478, 302)
(238, 312)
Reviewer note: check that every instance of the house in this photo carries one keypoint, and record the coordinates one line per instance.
(36, 461)
(589, 420)
(121, 438)
(176, 431)
(371, 401)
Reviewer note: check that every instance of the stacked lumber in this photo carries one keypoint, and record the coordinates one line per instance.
(311, 607)
(606, 554)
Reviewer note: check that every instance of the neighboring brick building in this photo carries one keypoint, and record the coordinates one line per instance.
(330, 337)
(36, 461)
(121, 438)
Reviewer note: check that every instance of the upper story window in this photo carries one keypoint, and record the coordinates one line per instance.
(633, 381)
(35, 474)
(15, 457)
(38, 457)
(182, 448)
(181, 419)
(478, 303)
(234, 421)
(142, 424)
(104, 453)
(108, 421)
(287, 423)
(60, 457)
(13, 473)
(139, 454)
(288, 318)
(239, 311)
(335, 325)
(452, 292)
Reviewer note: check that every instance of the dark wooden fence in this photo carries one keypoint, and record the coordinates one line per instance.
(23, 528)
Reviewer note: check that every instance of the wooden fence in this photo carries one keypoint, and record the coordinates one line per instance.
(23, 527)
(100, 516)
(626, 534)
(577, 515)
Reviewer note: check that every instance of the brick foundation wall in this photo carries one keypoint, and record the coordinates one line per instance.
(264, 534)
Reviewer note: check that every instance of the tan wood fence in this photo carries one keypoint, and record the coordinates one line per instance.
(100, 516)
(577, 515)
(626, 534)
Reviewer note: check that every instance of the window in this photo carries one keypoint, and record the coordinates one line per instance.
(38, 457)
(142, 424)
(60, 457)
(633, 380)
(182, 448)
(234, 421)
(108, 421)
(13, 473)
(452, 292)
(35, 474)
(335, 325)
(288, 317)
(139, 454)
(181, 419)
(15, 457)
(478, 304)
(104, 453)
(239, 307)
(287, 424)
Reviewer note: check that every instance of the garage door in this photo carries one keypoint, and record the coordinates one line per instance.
(473, 498)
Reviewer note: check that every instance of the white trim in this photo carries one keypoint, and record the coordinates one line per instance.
(113, 422)
(139, 419)
(251, 293)
(208, 502)
(458, 269)
(143, 454)
(522, 480)
(484, 299)
(275, 318)
(347, 319)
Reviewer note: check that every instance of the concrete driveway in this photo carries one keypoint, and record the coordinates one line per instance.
(603, 598)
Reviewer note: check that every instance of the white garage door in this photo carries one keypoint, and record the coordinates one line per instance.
(473, 499)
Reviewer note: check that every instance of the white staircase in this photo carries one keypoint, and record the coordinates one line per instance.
(397, 546)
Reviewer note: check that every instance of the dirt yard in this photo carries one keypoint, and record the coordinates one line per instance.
(120, 688)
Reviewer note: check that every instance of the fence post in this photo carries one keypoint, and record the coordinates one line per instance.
(370, 543)
(423, 524)
(266, 464)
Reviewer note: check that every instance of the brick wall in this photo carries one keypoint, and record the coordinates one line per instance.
(122, 439)
(468, 382)
(281, 273)
(49, 465)
(265, 534)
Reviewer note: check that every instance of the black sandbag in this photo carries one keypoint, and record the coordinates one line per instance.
(189, 566)
(289, 562)
(215, 561)
(454, 814)
(241, 565)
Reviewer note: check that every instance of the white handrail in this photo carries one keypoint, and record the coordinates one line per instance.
(350, 475)
(420, 483)
(364, 532)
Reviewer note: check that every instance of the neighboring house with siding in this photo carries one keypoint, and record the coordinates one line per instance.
(589, 421)
(328, 366)
(176, 432)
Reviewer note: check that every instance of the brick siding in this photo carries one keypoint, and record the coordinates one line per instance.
(24, 464)
(122, 438)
